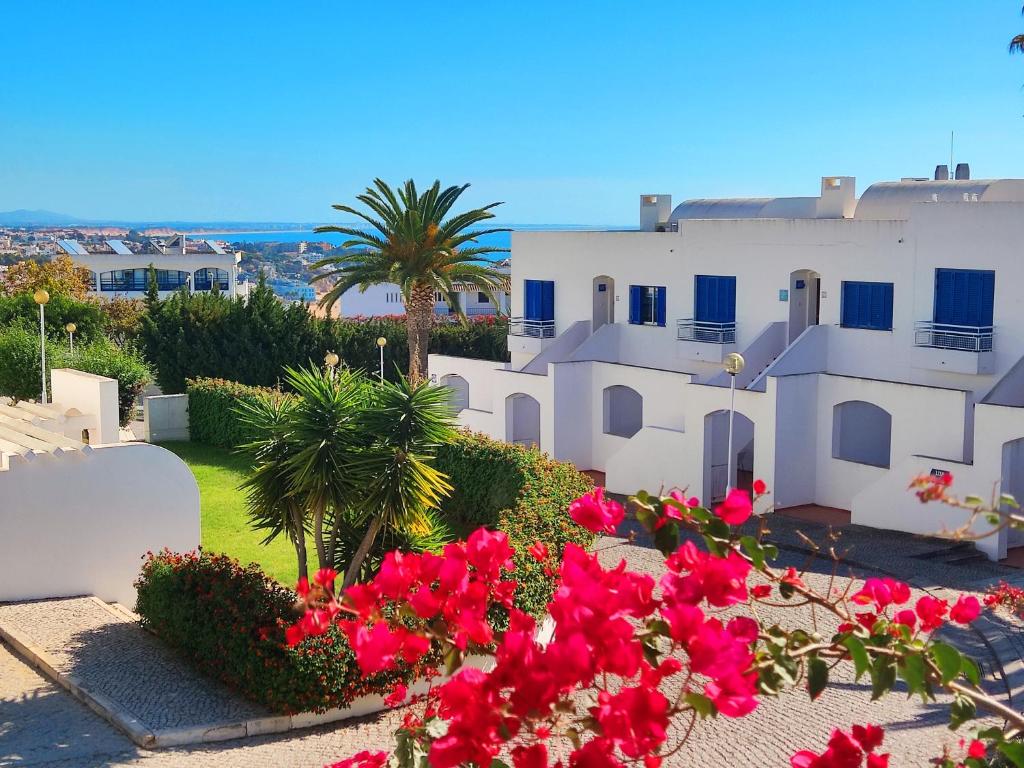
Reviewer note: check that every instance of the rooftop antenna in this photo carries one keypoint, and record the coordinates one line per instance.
(951, 166)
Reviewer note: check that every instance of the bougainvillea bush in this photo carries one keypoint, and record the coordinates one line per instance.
(230, 622)
(634, 665)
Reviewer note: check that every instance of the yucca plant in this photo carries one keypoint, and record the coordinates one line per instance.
(272, 506)
(410, 240)
(408, 420)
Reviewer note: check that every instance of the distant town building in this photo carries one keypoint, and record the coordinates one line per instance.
(386, 299)
(121, 268)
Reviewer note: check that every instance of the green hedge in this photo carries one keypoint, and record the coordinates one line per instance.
(189, 336)
(229, 621)
(520, 491)
(22, 310)
(212, 417)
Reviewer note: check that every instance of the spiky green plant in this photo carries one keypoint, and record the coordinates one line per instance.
(412, 241)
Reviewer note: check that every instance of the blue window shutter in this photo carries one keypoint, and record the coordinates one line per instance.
(660, 311)
(964, 297)
(714, 298)
(530, 300)
(635, 303)
(867, 305)
(701, 297)
(728, 287)
(547, 300)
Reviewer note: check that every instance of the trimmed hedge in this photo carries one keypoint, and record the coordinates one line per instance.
(229, 621)
(520, 491)
(212, 418)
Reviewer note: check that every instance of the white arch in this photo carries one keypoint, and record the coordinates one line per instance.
(623, 410)
(862, 433)
(460, 390)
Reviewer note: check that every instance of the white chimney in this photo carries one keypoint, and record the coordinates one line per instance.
(654, 211)
(838, 197)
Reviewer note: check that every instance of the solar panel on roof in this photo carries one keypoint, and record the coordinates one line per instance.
(73, 247)
(216, 248)
(119, 248)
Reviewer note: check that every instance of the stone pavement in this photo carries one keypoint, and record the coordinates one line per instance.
(41, 725)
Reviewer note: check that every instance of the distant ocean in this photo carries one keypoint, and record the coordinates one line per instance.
(498, 239)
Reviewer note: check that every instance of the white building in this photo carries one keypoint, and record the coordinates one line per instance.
(883, 338)
(119, 268)
(386, 299)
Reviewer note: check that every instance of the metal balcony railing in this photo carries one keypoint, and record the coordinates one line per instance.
(537, 329)
(968, 338)
(701, 330)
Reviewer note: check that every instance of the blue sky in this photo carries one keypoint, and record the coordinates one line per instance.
(267, 110)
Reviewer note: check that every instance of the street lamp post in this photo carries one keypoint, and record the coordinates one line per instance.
(41, 296)
(71, 328)
(331, 360)
(381, 343)
(733, 364)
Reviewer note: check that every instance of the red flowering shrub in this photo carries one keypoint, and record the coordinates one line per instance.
(631, 669)
(230, 622)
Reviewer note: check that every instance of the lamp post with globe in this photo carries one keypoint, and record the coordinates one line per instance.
(71, 328)
(331, 360)
(41, 297)
(381, 343)
(733, 364)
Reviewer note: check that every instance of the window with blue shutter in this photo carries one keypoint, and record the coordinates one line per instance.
(867, 305)
(714, 298)
(964, 297)
(647, 304)
(538, 299)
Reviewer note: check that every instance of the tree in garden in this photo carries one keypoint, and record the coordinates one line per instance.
(412, 241)
(272, 506)
(633, 665)
(346, 456)
(60, 275)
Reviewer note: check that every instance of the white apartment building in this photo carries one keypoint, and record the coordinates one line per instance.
(119, 268)
(386, 299)
(883, 339)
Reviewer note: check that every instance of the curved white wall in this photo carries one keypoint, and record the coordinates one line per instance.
(79, 524)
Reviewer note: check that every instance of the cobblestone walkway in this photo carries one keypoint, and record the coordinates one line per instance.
(40, 725)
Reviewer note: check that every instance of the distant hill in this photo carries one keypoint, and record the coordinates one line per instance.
(24, 218)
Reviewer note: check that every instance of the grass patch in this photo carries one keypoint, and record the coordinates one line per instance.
(225, 522)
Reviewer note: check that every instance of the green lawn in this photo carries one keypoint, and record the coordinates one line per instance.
(225, 523)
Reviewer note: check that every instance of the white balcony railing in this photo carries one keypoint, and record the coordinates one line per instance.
(966, 338)
(536, 329)
(701, 330)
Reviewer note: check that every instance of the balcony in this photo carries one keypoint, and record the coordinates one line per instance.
(534, 329)
(953, 348)
(528, 338)
(704, 341)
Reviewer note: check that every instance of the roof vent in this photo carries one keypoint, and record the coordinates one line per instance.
(963, 172)
(942, 173)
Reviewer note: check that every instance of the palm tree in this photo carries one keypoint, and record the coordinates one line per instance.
(410, 242)
(1017, 44)
(409, 421)
(271, 505)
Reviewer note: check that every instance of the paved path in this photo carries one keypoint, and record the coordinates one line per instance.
(41, 725)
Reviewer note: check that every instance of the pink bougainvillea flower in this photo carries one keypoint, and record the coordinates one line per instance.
(760, 487)
(364, 759)
(325, 577)
(965, 610)
(931, 611)
(397, 696)
(596, 513)
(538, 551)
(736, 509)
(976, 749)
(302, 588)
(792, 578)
(635, 719)
(533, 756)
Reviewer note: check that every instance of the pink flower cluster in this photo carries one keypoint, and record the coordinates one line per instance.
(847, 750)
(928, 614)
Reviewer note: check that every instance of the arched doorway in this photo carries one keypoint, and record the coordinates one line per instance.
(716, 454)
(460, 391)
(623, 411)
(804, 301)
(1012, 482)
(861, 432)
(522, 420)
(604, 302)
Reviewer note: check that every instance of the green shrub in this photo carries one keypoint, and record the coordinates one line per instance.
(212, 415)
(519, 491)
(19, 363)
(22, 310)
(104, 358)
(189, 336)
(229, 621)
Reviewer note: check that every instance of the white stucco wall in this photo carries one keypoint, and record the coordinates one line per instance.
(80, 523)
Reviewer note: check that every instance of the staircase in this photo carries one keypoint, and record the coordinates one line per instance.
(28, 430)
